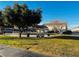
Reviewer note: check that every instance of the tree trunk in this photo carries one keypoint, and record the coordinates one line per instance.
(19, 34)
(28, 34)
(38, 35)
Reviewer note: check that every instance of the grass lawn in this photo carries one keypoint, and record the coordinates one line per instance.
(47, 46)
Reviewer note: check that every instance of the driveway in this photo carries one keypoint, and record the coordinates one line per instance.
(6, 51)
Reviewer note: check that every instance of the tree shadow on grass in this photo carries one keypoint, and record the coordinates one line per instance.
(17, 38)
(42, 38)
(64, 37)
(7, 38)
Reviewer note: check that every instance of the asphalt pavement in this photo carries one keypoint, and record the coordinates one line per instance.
(6, 51)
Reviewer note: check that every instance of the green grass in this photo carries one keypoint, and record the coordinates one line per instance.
(47, 46)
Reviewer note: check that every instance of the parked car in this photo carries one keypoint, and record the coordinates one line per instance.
(8, 30)
(50, 32)
(53, 31)
(67, 32)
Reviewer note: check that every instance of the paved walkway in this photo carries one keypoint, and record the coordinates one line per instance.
(14, 52)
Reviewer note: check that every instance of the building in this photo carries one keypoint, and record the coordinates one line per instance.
(56, 26)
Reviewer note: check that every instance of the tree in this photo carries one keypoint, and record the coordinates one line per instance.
(21, 17)
(1, 19)
(1, 22)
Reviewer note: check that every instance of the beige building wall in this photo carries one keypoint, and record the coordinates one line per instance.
(58, 26)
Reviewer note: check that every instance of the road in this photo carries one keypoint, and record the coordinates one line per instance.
(6, 51)
(34, 35)
(17, 34)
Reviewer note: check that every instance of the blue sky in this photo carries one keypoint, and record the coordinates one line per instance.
(53, 10)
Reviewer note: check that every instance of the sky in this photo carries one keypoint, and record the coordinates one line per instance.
(66, 11)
